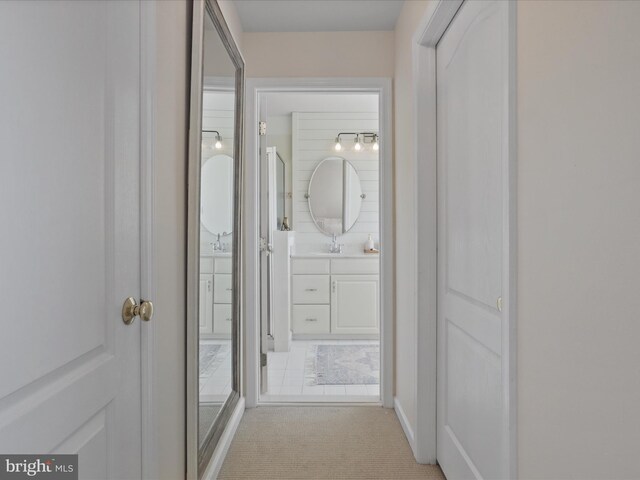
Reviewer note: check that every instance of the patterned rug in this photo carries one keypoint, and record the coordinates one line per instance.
(211, 356)
(343, 365)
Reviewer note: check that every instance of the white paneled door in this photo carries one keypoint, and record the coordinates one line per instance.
(473, 226)
(70, 242)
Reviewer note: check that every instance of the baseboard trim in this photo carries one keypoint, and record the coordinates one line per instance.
(405, 425)
(219, 454)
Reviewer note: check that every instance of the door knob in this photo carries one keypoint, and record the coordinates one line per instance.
(131, 309)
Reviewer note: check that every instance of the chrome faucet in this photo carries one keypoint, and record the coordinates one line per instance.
(217, 245)
(335, 247)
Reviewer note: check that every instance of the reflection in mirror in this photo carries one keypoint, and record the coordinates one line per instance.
(335, 196)
(280, 187)
(217, 199)
(216, 238)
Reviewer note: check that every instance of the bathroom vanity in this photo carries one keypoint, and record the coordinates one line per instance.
(334, 295)
(215, 295)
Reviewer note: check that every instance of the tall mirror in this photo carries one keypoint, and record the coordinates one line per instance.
(214, 234)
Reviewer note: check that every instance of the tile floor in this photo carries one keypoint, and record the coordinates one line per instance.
(286, 375)
(217, 386)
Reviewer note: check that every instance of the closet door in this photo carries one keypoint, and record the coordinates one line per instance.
(70, 244)
(473, 226)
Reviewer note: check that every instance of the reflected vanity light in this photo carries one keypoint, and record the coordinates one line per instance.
(359, 144)
(218, 144)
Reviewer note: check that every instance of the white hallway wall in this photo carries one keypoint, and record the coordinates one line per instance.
(173, 43)
(406, 294)
(318, 54)
(579, 239)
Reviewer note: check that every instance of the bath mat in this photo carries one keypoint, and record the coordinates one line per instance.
(211, 356)
(343, 365)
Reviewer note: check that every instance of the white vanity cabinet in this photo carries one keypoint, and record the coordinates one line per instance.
(215, 295)
(335, 296)
(354, 304)
(206, 303)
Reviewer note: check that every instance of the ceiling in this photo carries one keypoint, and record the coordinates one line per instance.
(318, 15)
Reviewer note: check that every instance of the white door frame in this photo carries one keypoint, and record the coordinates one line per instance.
(382, 87)
(149, 458)
(431, 28)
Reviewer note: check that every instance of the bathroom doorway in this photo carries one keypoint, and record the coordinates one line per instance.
(321, 275)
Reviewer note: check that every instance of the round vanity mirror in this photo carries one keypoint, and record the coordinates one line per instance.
(216, 191)
(335, 196)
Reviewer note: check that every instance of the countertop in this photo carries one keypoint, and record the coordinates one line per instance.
(335, 255)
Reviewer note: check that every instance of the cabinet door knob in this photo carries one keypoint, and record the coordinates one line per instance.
(311, 289)
(311, 319)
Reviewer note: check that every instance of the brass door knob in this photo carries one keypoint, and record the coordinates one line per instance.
(131, 309)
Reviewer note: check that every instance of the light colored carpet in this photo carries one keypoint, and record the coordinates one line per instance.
(337, 443)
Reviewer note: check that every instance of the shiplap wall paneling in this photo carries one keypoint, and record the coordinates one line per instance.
(313, 140)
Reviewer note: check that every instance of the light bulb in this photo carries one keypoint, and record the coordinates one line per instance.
(358, 145)
(338, 146)
(218, 143)
(375, 145)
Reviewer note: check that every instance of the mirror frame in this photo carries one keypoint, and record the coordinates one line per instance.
(198, 459)
(308, 195)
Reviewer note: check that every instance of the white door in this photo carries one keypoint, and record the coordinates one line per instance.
(354, 304)
(70, 243)
(473, 225)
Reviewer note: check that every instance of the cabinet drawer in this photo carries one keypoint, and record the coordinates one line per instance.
(206, 264)
(223, 265)
(310, 266)
(222, 288)
(222, 318)
(311, 319)
(309, 289)
(355, 266)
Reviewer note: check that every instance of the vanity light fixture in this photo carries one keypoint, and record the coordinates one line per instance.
(359, 143)
(218, 143)
(358, 146)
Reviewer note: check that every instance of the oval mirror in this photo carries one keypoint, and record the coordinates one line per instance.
(217, 195)
(335, 196)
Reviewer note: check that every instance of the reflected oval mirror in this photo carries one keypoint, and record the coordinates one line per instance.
(216, 192)
(335, 196)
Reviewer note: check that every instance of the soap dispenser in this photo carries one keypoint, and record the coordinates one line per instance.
(368, 246)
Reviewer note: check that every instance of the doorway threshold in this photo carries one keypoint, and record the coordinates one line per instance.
(330, 400)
